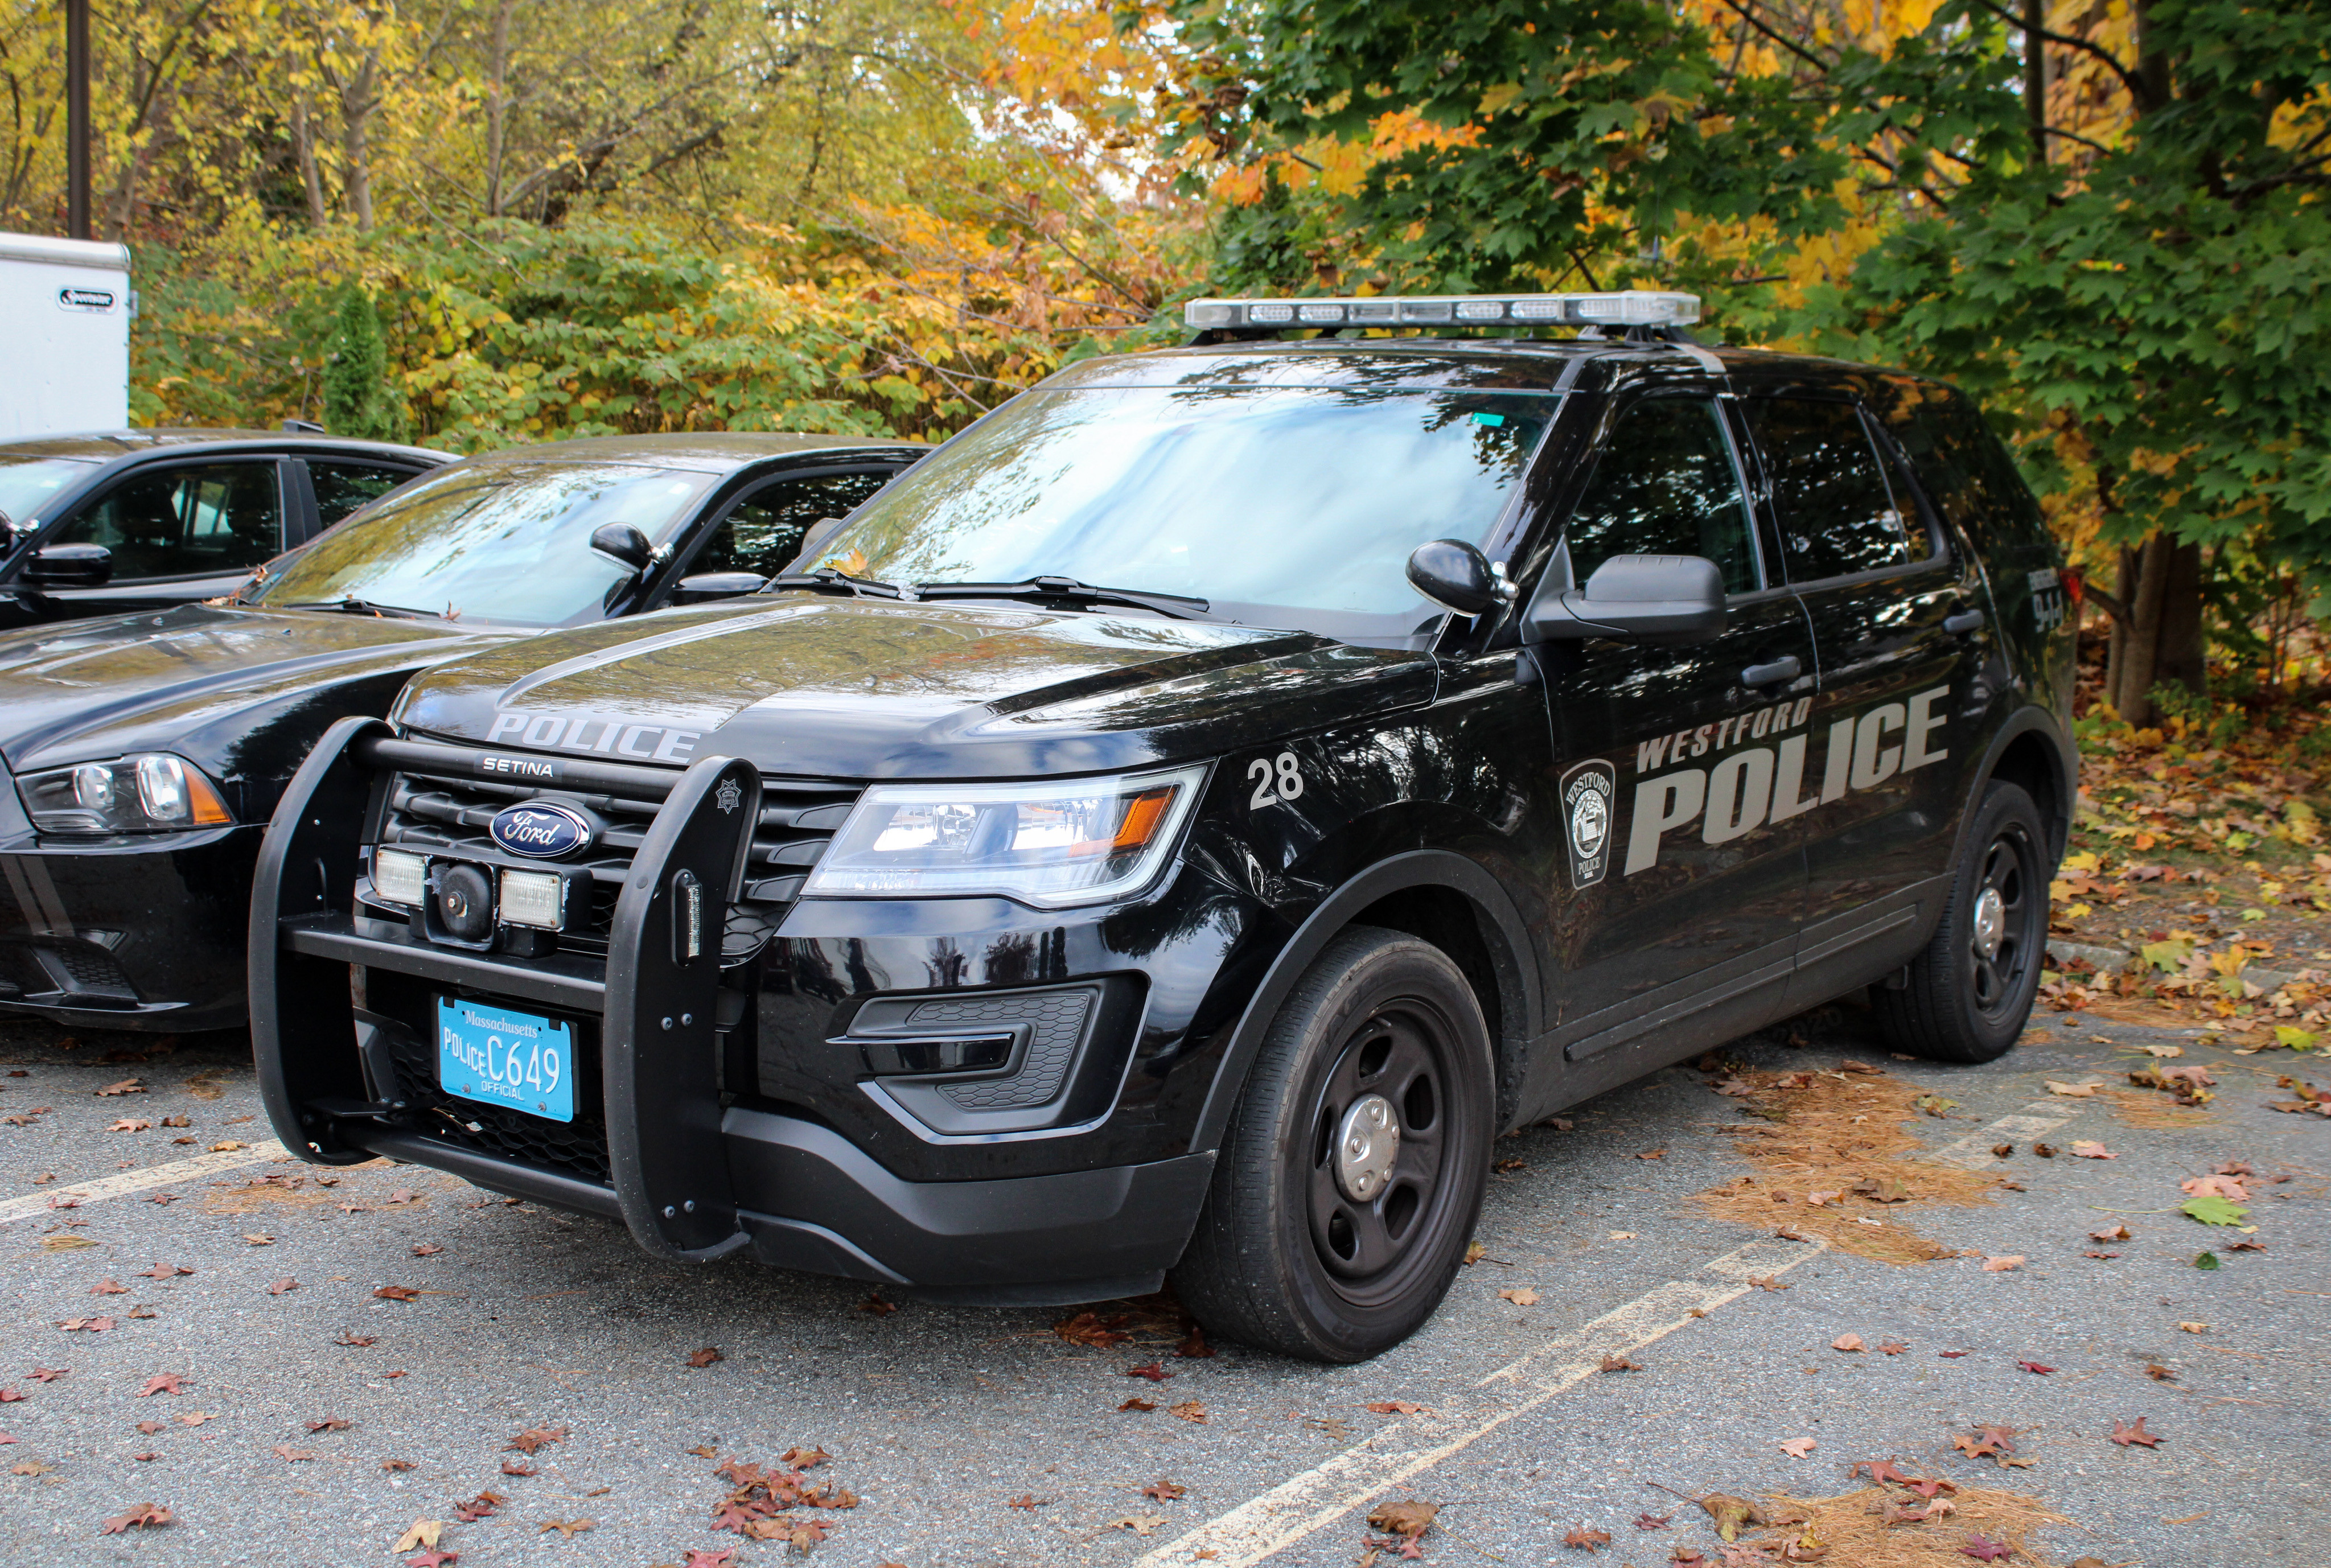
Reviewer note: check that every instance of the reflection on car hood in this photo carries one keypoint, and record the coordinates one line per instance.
(208, 682)
(875, 689)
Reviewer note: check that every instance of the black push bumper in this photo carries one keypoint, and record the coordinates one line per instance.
(690, 1179)
(142, 933)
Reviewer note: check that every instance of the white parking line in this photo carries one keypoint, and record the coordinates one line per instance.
(86, 1192)
(1307, 1503)
(2037, 1119)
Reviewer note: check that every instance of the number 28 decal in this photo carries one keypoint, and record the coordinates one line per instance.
(1275, 779)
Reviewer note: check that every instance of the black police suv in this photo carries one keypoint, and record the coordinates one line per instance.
(143, 752)
(150, 519)
(1179, 824)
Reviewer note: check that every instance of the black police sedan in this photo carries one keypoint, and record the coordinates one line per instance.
(146, 520)
(1182, 821)
(144, 752)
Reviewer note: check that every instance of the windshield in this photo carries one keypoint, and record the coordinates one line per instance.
(506, 542)
(1303, 502)
(26, 483)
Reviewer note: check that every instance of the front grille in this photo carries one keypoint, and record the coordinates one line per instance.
(578, 1148)
(449, 813)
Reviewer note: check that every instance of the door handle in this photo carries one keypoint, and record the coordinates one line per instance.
(1966, 620)
(1785, 668)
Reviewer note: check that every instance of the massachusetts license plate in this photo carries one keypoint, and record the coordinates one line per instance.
(503, 1056)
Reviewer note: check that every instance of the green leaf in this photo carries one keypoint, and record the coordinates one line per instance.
(2205, 1260)
(2295, 1037)
(2213, 1209)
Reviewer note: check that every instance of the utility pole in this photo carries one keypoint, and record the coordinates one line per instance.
(77, 119)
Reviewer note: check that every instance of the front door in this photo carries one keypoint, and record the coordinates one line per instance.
(177, 533)
(1898, 632)
(1679, 919)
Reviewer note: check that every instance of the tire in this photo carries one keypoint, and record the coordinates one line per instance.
(1334, 1259)
(1971, 991)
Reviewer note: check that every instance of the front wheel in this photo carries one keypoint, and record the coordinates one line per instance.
(1968, 994)
(1354, 1167)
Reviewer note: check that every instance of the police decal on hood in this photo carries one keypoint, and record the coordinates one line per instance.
(1760, 783)
(610, 737)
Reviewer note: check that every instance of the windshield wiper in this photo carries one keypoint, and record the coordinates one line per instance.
(352, 605)
(827, 578)
(1179, 607)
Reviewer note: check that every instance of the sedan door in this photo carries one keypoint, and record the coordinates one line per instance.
(169, 533)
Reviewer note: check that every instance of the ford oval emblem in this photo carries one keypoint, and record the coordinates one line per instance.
(540, 830)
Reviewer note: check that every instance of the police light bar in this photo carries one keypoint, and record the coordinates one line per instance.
(1628, 307)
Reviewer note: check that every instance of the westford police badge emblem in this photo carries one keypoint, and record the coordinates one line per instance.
(728, 796)
(1588, 791)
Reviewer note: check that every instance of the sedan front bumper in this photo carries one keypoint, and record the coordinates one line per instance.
(139, 933)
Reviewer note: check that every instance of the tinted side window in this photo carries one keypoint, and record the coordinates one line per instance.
(1969, 469)
(764, 533)
(185, 522)
(1836, 511)
(1665, 485)
(342, 487)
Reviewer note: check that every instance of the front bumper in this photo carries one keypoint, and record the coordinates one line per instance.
(136, 932)
(675, 1132)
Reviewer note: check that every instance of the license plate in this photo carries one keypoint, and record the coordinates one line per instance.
(521, 1061)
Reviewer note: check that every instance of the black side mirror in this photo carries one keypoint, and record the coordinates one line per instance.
(1662, 599)
(1455, 576)
(69, 567)
(625, 543)
(701, 587)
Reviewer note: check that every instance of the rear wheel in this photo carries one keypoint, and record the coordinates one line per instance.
(1970, 992)
(1353, 1166)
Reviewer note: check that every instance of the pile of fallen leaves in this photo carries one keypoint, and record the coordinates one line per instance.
(759, 1508)
(1835, 1159)
(1901, 1521)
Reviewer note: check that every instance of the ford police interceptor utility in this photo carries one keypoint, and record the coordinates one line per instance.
(1179, 824)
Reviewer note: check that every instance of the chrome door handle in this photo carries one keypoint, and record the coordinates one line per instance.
(1963, 622)
(1786, 668)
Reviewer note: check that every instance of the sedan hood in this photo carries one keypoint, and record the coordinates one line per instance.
(876, 689)
(243, 693)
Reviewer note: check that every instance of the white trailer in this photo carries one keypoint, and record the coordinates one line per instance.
(64, 335)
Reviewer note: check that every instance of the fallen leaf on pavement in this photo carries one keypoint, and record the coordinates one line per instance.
(2195, 1327)
(282, 1284)
(1892, 1348)
(1195, 1345)
(1592, 1540)
(875, 1305)
(2090, 1149)
(126, 1086)
(1986, 1550)
(420, 1532)
(519, 1468)
(1652, 1521)
(2158, 1373)
(1088, 1328)
(2125, 1434)
(331, 1424)
(1136, 1404)
(426, 1249)
(396, 1293)
(1394, 1407)
(1767, 1282)
(2070, 1088)
(1164, 1491)
(2002, 1265)
(1410, 1518)
(1522, 1297)
(48, 1374)
(165, 1271)
(1845, 1342)
(2035, 1366)
(2214, 1210)
(140, 1517)
(1731, 1515)
(1798, 1448)
(1154, 1372)
(394, 1465)
(1026, 1502)
(285, 1451)
(359, 1340)
(164, 1382)
(2111, 1234)
(2217, 1186)
(1618, 1363)
(534, 1440)
(1189, 1409)
(259, 1239)
(705, 1357)
(131, 1124)
(567, 1528)
(108, 1288)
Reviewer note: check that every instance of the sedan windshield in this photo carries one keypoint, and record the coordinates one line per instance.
(26, 484)
(504, 542)
(1294, 506)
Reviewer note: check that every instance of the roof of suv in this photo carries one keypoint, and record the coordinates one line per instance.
(104, 445)
(1482, 365)
(717, 451)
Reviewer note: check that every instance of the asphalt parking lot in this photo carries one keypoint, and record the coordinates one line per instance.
(300, 1416)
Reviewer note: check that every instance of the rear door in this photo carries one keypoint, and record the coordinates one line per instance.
(1685, 885)
(176, 533)
(1899, 628)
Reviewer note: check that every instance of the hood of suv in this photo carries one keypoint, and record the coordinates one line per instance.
(242, 693)
(876, 689)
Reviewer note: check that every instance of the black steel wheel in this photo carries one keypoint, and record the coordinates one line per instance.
(1354, 1168)
(1969, 993)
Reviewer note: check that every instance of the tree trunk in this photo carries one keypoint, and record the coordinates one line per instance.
(358, 100)
(2158, 639)
(311, 178)
(497, 109)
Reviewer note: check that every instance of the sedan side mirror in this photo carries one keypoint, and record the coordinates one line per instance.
(1659, 599)
(702, 587)
(1456, 576)
(623, 542)
(69, 567)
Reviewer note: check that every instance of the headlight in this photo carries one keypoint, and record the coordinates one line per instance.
(129, 794)
(1050, 843)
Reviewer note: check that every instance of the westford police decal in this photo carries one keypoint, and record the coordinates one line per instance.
(1749, 785)
(1588, 794)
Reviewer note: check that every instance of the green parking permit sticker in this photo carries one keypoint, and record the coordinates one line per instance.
(1491, 420)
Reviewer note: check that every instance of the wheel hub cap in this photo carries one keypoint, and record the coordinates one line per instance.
(1990, 922)
(1368, 1145)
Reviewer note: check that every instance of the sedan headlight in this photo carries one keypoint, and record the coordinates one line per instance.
(1050, 843)
(129, 794)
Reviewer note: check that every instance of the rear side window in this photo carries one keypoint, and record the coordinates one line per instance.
(1966, 468)
(342, 487)
(185, 522)
(1665, 485)
(1837, 512)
